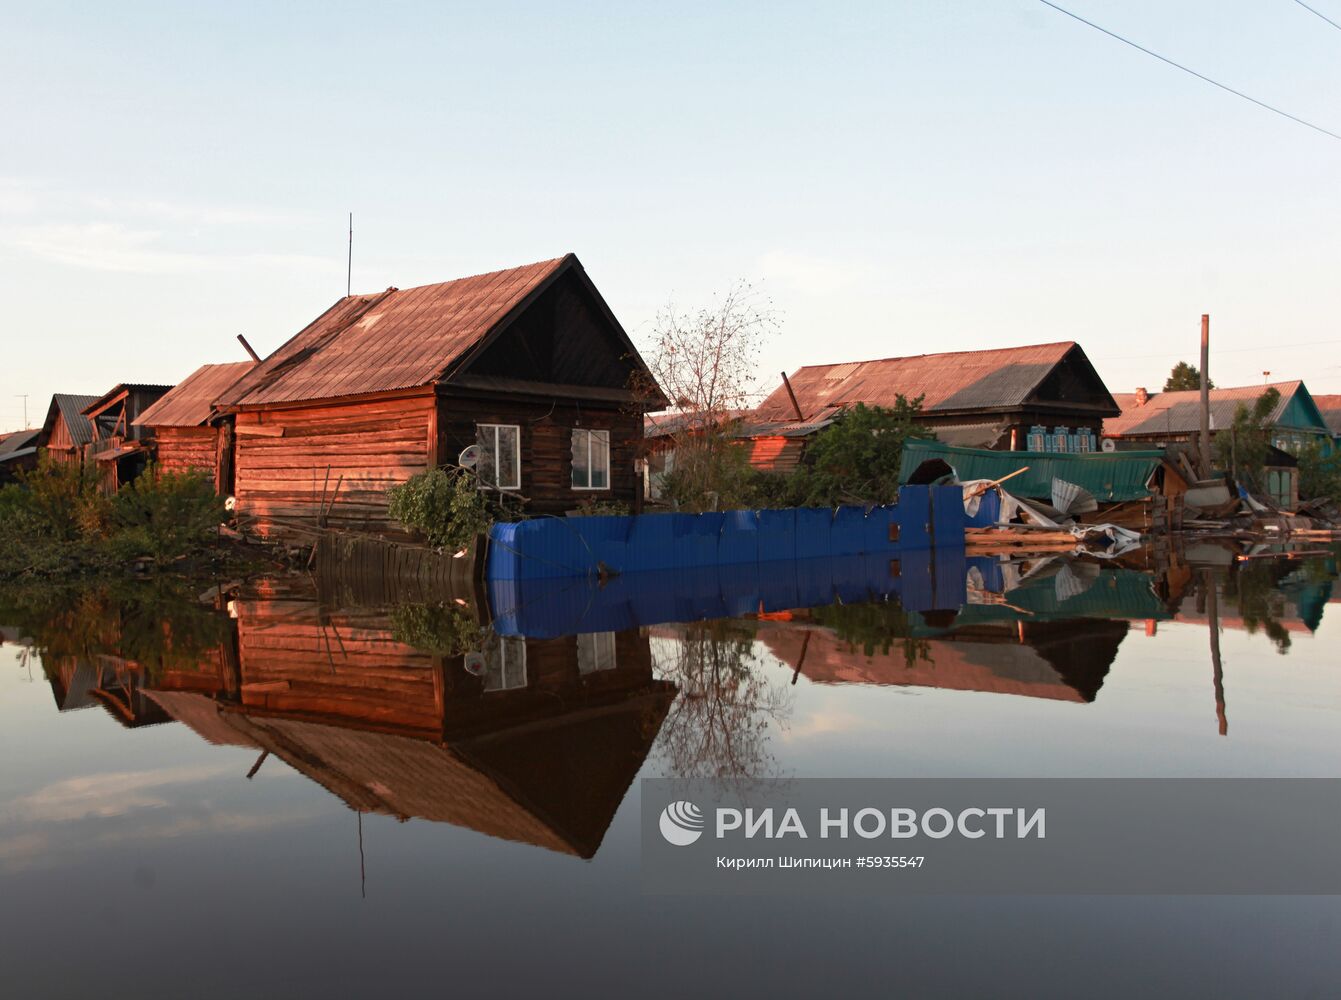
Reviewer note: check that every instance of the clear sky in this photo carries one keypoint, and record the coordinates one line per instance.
(903, 177)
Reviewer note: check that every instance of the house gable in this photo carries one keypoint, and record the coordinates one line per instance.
(1074, 384)
(1302, 413)
(564, 336)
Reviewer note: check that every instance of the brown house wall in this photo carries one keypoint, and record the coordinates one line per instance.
(181, 449)
(282, 457)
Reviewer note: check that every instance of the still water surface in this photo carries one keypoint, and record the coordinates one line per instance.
(300, 795)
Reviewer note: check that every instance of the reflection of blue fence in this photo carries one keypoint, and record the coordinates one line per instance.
(583, 546)
(544, 608)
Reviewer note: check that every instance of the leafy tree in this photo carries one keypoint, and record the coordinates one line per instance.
(1243, 446)
(857, 459)
(1184, 376)
(1319, 472)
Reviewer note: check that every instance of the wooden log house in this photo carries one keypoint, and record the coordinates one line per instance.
(1043, 397)
(527, 365)
(185, 433)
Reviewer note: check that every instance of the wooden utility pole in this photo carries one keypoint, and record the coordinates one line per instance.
(1205, 396)
(1217, 669)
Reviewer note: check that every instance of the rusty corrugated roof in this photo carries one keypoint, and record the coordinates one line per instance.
(1169, 413)
(188, 404)
(397, 339)
(961, 380)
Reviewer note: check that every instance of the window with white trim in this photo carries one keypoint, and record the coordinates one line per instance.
(591, 459)
(595, 651)
(504, 663)
(499, 464)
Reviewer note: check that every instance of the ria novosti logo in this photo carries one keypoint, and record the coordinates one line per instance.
(681, 823)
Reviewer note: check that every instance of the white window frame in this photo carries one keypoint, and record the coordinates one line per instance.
(504, 664)
(589, 431)
(495, 428)
(596, 652)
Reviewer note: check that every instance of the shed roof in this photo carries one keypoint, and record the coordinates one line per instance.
(1165, 413)
(1111, 476)
(998, 379)
(18, 440)
(70, 408)
(397, 339)
(109, 397)
(189, 403)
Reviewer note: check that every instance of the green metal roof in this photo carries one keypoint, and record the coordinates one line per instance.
(1109, 475)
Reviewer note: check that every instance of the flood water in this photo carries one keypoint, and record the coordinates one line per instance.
(347, 791)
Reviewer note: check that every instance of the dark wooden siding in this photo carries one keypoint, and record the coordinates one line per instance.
(546, 446)
(283, 455)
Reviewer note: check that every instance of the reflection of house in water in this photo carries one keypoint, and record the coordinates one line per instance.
(1049, 629)
(1061, 660)
(115, 684)
(535, 741)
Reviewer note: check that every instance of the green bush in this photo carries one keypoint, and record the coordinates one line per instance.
(164, 515)
(57, 521)
(857, 459)
(446, 506)
(440, 629)
(61, 500)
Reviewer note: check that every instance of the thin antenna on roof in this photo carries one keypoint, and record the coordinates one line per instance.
(24, 397)
(349, 268)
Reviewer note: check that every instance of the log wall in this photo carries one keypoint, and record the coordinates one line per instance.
(282, 457)
(338, 665)
(181, 449)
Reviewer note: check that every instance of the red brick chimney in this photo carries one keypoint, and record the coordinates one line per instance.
(1142, 397)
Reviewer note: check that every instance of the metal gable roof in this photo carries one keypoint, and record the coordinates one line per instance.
(70, 408)
(398, 339)
(963, 380)
(1165, 413)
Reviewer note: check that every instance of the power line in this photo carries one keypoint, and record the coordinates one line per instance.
(1199, 76)
(1232, 350)
(1319, 13)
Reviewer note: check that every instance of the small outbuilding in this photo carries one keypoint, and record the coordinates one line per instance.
(66, 432)
(120, 451)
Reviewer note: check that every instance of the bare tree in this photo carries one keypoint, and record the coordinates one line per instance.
(719, 725)
(705, 362)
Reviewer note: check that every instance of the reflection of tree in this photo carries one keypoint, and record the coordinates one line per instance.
(439, 629)
(158, 623)
(718, 727)
(874, 625)
(1254, 589)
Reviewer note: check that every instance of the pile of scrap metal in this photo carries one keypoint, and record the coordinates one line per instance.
(1223, 507)
(999, 521)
